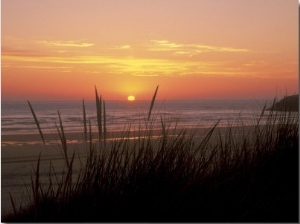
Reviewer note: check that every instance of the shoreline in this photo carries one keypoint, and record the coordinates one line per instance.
(20, 147)
(78, 136)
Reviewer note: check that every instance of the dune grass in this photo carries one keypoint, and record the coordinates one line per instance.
(252, 177)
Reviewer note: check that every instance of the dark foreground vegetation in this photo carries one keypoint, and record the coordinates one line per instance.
(252, 177)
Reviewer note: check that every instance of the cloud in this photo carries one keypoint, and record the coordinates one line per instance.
(135, 66)
(21, 52)
(113, 64)
(122, 47)
(256, 63)
(189, 49)
(142, 64)
(169, 59)
(167, 44)
(70, 43)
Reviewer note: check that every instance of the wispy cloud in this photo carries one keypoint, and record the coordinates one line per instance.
(135, 66)
(43, 67)
(117, 65)
(189, 49)
(70, 43)
(165, 44)
(143, 63)
(260, 63)
(122, 47)
(154, 58)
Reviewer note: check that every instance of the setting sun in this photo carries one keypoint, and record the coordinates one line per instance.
(131, 98)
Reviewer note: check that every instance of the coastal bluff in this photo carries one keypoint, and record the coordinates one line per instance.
(288, 103)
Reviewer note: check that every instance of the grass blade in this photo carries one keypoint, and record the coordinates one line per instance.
(104, 121)
(13, 204)
(37, 179)
(99, 114)
(37, 122)
(91, 137)
(63, 139)
(84, 122)
(152, 103)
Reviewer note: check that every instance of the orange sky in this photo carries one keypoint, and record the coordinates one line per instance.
(194, 49)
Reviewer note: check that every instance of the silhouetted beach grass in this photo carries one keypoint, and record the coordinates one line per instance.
(240, 175)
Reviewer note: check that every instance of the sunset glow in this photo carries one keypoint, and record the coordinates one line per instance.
(191, 49)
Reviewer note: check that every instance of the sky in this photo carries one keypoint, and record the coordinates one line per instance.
(193, 49)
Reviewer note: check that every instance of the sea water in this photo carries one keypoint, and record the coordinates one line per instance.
(16, 118)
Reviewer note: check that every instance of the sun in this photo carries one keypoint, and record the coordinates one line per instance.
(131, 98)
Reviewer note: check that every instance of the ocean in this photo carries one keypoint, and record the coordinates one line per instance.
(16, 117)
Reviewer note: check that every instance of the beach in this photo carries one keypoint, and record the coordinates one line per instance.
(20, 153)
